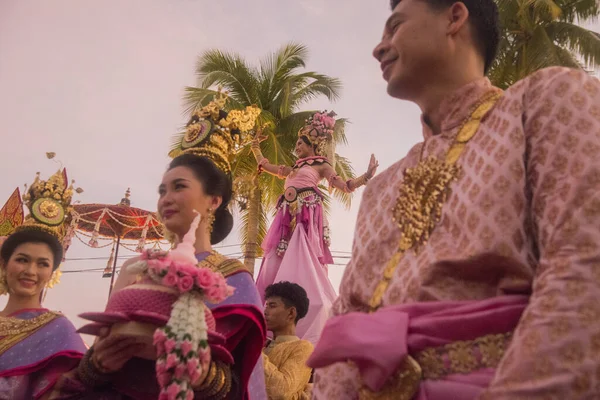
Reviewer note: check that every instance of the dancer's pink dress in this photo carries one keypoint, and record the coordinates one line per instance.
(297, 249)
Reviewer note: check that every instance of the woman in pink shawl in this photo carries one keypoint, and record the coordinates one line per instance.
(297, 243)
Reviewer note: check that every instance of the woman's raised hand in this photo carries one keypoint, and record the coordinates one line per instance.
(373, 164)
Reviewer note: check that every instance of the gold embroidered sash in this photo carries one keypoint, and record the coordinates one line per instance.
(14, 330)
(434, 363)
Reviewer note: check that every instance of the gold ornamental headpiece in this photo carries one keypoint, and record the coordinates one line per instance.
(319, 129)
(49, 203)
(215, 133)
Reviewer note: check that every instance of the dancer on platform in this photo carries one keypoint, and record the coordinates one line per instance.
(297, 244)
(475, 267)
(198, 178)
(36, 345)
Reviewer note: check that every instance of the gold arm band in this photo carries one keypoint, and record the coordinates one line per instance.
(218, 382)
(210, 377)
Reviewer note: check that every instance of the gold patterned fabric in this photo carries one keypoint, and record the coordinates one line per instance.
(522, 217)
(227, 266)
(14, 330)
(462, 357)
(286, 373)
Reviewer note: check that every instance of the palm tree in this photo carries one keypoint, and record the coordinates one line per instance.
(279, 87)
(544, 33)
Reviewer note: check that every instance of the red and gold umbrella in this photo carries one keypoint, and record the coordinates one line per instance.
(119, 224)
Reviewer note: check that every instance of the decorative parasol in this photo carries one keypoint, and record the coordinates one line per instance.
(119, 225)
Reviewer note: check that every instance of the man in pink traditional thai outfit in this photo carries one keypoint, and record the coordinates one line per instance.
(476, 263)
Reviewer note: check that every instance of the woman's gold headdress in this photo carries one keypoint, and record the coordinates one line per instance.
(215, 133)
(49, 204)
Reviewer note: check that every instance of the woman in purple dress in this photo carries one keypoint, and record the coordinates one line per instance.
(36, 345)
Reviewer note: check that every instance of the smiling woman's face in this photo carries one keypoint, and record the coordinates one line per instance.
(29, 269)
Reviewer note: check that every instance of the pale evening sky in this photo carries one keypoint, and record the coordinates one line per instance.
(100, 83)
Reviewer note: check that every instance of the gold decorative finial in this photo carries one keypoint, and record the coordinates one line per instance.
(125, 200)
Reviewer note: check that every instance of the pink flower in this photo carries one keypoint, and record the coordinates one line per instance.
(172, 361)
(205, 278)
(186, 347)
(195, 376)
(179, 371)
(163, 379)
(187, 269)
(205, 358)
(189, 395)
(170, 279)
(163, 396)
(185, 284)
(170, 345)
(192, 366)
(173, 390)
(159, 336)
(161, 367)
(214, 294)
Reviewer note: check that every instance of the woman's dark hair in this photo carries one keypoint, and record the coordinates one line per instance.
(32, 236)
(292, 295)
(215, 183)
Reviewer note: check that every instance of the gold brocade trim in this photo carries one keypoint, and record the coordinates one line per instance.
(402, 386)
(434, 363)
(463, 357)
(219, 263)
(13, 330)
(424, 191)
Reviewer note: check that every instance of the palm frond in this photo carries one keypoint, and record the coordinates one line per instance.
(546, 9)
(216, 68)
(583, 41)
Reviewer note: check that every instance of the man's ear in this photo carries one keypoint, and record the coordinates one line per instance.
(293, 313)
(458, 15)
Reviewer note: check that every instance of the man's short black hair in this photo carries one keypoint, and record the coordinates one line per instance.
(483, 15)
(292, 295)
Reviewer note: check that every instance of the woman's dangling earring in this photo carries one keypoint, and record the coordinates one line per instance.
(3, 282)
(211, 220)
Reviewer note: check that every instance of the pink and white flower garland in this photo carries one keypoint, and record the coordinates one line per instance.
(182, 344)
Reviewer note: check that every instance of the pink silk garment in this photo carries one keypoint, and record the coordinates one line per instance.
(415, 327)
(522, 219)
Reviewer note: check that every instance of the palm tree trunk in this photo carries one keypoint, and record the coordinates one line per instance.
(254, 209)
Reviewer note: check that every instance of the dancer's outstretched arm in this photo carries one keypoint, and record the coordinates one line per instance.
(281, 171)
(351, 185)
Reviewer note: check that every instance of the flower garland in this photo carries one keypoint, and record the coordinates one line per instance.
(182, 344)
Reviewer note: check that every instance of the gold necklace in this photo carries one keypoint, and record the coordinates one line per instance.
(424, 191)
